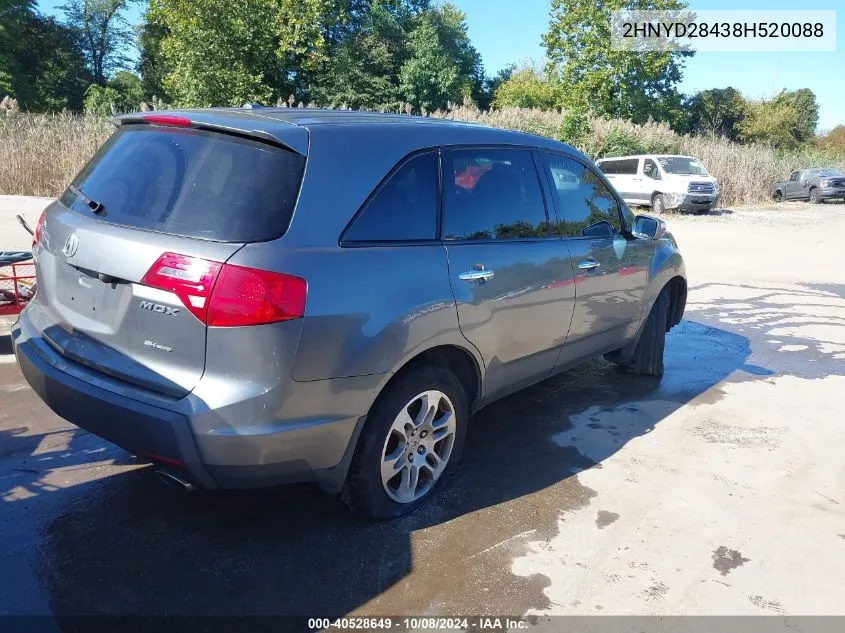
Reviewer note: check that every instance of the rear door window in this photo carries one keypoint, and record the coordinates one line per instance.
(492, 194)
(404, 208)
(191, 183)
(585, 205)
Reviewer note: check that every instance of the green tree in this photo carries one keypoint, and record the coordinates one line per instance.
(623, 84)
(151, 66)
(103, 31)
(787, 121)
(443, 66)
(833, 140)
(58, 73)
(527, 88)
(14, 15)
(40, 62)
(362, 70)
(806, 107)
(770, 122)
(718, 111)
(218, 53)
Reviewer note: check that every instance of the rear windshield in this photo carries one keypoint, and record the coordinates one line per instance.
(189, 182)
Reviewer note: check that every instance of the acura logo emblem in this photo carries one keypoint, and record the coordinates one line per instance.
(71, 245)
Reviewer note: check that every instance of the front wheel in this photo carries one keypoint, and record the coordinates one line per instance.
(411, 443)
(814, 196)
(647, 359)
(658, 204)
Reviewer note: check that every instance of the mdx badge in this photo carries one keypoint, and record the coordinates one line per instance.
(157, 307)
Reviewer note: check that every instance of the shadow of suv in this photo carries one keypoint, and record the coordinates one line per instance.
(255, 297)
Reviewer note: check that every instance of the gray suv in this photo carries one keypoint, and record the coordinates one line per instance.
(249, 297)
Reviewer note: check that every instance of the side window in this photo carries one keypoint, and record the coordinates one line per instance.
(650, 169)
(795, 175)
(492, 194)
(404, 208)
(629, 166)
(608, 167)
(586, 207)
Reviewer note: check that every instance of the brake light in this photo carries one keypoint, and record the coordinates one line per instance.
(39, 228)
(246, 296)
(167, 119)
(225, 295)
(189, 278)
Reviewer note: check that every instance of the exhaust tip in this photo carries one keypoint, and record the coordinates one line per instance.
(175, 481)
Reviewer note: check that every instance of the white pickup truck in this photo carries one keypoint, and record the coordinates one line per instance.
(662, 182)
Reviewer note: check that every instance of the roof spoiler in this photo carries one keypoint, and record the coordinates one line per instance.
(289, 137)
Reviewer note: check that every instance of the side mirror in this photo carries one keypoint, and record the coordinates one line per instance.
(648, 227)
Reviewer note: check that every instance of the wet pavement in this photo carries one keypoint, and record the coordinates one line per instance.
(718, 489)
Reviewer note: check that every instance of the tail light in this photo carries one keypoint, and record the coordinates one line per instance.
(189, 278)
(39, 228)
(225, 295)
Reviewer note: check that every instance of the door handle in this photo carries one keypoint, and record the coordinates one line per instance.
(476, 275)
(588, 264)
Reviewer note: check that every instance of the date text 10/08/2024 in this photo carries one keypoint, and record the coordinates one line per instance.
(477, 623)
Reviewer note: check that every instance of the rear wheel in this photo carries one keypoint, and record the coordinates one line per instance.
(658, 204)
(411, 443)
(648, 355)
(814, 196)
(777, 195)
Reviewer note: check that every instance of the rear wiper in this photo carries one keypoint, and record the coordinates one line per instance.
(96, 207)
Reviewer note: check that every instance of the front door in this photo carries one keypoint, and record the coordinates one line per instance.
(611, 267)
(512, 280)
(793, 187)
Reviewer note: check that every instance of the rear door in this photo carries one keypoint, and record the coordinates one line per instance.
(156, 207)
(611, 267)
(511, 278)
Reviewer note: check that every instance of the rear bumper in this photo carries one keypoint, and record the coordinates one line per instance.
(305, 432)
(147, 431)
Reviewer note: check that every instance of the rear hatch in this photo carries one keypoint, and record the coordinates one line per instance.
(129, 256)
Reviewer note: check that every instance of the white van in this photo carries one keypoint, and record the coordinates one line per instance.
(662, 181)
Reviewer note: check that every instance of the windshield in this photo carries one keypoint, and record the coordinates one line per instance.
(681, 165)
(826, 173)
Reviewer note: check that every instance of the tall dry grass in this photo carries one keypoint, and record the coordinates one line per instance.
(40, 153)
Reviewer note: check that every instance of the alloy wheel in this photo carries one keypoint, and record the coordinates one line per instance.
(418, 446)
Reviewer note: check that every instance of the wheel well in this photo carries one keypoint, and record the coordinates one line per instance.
(459, 361)
(677, 301)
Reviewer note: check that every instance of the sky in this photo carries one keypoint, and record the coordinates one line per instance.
(507, 31)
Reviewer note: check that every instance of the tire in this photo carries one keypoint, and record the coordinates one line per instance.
(778, 196)
(364, 490)
(647, 359)
(814, 196)
(658, 204)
